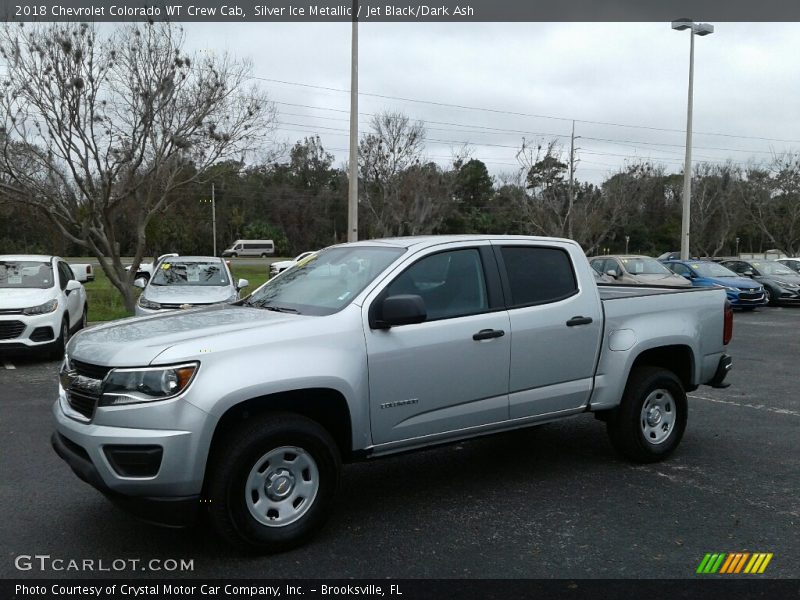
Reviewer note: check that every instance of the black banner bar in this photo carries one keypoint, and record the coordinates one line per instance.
(727, 588)
(237, 11)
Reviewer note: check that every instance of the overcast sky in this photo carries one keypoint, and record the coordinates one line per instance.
(747, 83)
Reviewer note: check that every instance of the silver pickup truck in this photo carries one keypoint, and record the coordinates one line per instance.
(248, 410)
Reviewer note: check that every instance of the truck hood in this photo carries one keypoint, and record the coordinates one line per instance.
(138, 341)
(25, 298)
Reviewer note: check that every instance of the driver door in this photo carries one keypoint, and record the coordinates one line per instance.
(442, 374)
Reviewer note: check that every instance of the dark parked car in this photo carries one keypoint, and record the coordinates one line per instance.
(742, 292)
(781, 284)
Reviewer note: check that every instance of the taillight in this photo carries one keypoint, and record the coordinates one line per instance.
(727, 331)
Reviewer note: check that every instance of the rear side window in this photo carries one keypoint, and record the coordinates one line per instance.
(538, 275)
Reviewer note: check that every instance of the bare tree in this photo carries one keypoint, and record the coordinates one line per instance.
(395, 144)
(771, 196)
(93, 126)
(714, 212)
(546, 208)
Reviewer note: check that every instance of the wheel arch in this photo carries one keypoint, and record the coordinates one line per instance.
(326, 406)
(677, 358)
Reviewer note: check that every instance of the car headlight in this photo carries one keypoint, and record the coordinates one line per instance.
(732, 289)
(145, 303)
(42, 309)
(787, 285)
(132, 386)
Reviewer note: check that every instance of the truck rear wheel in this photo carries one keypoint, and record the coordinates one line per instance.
(651, 419)
(272, 482)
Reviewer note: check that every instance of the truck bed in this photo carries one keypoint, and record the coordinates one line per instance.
(610, 291)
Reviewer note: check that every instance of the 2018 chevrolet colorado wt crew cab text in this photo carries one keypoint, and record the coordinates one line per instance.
(369, 349)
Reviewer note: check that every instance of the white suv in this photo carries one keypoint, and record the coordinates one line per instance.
(41, 303)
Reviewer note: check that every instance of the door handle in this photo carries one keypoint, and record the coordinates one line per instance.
(579, 321)
(487, 334)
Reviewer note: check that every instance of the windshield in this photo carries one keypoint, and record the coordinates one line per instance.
(190, 273)
(712, 270)
(644, 265)
(773, 268)
(22, 274)
(324, 283)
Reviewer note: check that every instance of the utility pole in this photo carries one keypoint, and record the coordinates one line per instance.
(214, 218)
(352, 193)
(571, 179)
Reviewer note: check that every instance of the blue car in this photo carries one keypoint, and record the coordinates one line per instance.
(743, 292)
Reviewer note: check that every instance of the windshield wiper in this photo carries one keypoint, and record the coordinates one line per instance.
(283, 309)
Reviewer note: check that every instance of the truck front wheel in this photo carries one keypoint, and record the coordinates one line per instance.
(272, 482)
(651, 419)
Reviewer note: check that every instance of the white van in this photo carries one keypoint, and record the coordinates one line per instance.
(261, 248)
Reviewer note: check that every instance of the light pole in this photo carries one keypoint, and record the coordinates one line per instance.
(737, 247)
(352, 192)
(694, 29)
(213, 218)
(627, 239)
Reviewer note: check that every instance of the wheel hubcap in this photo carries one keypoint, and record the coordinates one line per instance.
(282, 486)
(658, 416)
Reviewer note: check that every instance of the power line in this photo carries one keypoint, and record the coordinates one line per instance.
(521, 114)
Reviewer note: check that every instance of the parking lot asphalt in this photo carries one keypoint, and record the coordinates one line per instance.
(553, 501)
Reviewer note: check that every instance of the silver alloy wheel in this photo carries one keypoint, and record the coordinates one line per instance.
(282, 486)
(768, 294)
(658, 416)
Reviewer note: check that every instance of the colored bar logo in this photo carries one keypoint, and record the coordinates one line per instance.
(734, 563)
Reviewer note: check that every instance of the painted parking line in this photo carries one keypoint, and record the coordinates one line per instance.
(8, 365)
(772, 409)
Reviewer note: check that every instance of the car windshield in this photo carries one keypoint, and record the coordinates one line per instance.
(325, 282)
(190, 273)
(21, 274)
(709, 269)
(773, 268)
(643, 265)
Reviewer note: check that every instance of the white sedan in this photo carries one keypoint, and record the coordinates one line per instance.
(41, 303)
(187, 282)
(281, 265)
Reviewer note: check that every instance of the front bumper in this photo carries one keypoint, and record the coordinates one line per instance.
(29, 324)
(740, 300)
(172, 511)
(177, 428)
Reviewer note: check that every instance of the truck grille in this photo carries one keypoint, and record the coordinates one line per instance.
(11, 329)
(82, 402)
(89, 370)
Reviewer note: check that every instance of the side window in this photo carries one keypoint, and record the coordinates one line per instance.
(597, 265)
(538, 275)
(680, 269)
(64, 274)
(450, 283)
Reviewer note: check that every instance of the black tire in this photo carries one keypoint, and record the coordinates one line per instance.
(264, 255)
(237, 458)
(84, 318)
(627, 425)
(56, 351)
(234, 255)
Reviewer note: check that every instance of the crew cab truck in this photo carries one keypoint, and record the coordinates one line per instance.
(367, 349)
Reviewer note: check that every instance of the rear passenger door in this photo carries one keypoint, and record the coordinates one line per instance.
(556, 329)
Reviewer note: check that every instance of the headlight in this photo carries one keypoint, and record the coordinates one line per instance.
(732, 289)
(131, 386)
(145, 303)
(42, 309)
(788, 286)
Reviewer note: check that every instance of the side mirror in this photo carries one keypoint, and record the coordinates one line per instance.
(72, 285)
(612, 273)
(403, 309)
(141, 282)
(242, 283)
(748, 273)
